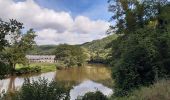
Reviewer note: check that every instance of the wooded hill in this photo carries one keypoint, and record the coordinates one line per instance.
(96, 49)
(93, 46)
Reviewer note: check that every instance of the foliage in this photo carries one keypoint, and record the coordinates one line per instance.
(16, 52)
(40, 90)
(43, 67)
(27, 70)
(97, 49)
(141, 53)
(13, 43)
(42, 50)
(99, 44)
(5, 69)
(70, 55)
(8, 28)
(94, 96)
(158, 91)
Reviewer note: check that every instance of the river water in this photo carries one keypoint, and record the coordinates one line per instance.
(83, 79)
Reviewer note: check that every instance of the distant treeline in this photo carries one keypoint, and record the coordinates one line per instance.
(97, 50)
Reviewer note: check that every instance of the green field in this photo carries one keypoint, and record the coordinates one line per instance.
(45, 67)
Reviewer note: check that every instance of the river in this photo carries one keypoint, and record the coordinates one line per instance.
(83, 79)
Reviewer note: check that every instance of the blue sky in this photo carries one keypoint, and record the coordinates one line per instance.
(94, 9)
(60, 21)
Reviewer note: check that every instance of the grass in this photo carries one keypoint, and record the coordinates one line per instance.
(157, 91)
(45, 67)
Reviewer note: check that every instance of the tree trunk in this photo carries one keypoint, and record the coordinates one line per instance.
(13, 68)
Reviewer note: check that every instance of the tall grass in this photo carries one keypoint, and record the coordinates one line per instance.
(158, 91)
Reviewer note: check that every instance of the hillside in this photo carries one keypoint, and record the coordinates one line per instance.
(96, 46)
(42, 50)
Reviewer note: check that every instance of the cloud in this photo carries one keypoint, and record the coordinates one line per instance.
(85, 25)
(51, 36)
(53, 27)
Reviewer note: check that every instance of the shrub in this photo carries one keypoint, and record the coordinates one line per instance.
(27, 70)
(40, 90)
(94, 96)
(5, 69)
(157, 91)
(36, 69)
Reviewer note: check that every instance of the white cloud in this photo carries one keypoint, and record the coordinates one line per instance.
(53, 27)
(85, 25)
(51, 36)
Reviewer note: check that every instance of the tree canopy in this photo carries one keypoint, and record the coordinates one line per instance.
(70, 55)
(14, 44)
(141, 53)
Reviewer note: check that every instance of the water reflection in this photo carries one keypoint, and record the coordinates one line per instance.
(83, 80)
(89, 86)
(80, 74)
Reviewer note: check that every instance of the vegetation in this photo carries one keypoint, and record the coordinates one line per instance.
(42, 50)
(141, 53)
(28, 70)
(158, 91)
(39, 90)
(5, 29)
(93, 96)
(5, 69)
(14, 44)
(70, 55)
(96, 50)
(45, 67)
(16, 52)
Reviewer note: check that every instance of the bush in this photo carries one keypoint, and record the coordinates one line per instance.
(158, 91)
(40, 90)
(94, 96)
(5, 69)
(36, 69)
(27, 70)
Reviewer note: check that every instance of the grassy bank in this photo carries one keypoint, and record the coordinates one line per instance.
(45, 67)
(157, 91)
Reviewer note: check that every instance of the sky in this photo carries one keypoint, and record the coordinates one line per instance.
(60, 21)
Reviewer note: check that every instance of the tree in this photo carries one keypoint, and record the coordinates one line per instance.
(70, 55)
(21, 44)
(140, 55)
(7, 28)
(130, 15)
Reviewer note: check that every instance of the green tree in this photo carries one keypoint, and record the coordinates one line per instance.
(140, 55)
(21, 44)
(70, 55)
(6, 29)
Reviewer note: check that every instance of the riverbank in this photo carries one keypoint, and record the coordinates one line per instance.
(93, 76)
(45, 67)
(158, 91)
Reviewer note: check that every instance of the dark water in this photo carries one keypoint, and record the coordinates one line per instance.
(83, 79)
